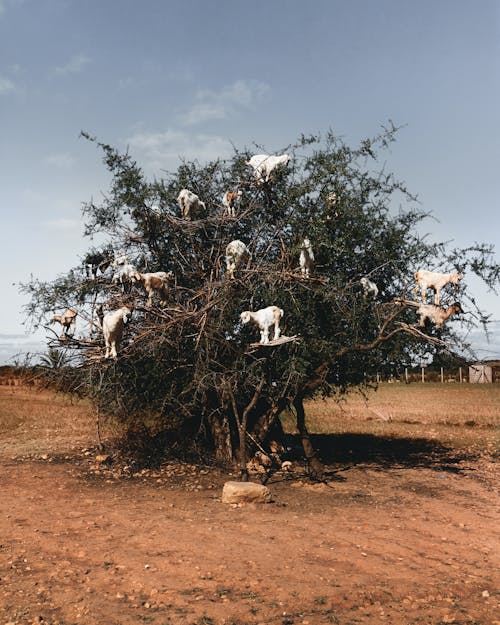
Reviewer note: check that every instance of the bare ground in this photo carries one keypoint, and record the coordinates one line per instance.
(404, 530)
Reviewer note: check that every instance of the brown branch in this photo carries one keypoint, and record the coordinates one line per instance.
(315, 464)
(421, 335)
(319, 376)
(192, 225)
(242, 424)
(366, 347)
(321, 371)
(254, 399)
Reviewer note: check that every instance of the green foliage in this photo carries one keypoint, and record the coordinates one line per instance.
(54, 359)
(189, 363)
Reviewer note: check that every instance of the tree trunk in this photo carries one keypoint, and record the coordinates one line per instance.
(221, 434)
(315, 465)
(264, 423)
(243, 453)
(242, 425)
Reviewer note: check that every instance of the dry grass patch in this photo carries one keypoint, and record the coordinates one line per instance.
(40, 421)
(460, 414)
(459, 405)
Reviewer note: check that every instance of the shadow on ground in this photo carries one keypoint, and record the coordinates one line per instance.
(384, 452)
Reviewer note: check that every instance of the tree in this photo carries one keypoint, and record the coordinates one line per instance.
(190, 364)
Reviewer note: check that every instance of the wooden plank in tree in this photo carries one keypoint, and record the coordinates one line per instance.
(281, 341)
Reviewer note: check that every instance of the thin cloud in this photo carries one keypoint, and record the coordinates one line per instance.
(16, 69)
(63, 224)
(6, 85)
(31, 196)
(9, 4)
(5, 4)
(75, 65)
(126, 82)
(163, 150)
(486, 346)
(17, 350)
(60, 161)
(213, 105)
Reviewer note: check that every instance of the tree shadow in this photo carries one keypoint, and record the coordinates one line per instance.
(341, 451)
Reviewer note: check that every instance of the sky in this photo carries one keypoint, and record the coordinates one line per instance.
(190, 78)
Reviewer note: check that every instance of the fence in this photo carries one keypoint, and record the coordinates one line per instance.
(423, 374)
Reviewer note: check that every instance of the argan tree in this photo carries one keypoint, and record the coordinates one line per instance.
(190, 365)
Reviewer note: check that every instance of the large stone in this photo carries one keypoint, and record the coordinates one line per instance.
(244, 492)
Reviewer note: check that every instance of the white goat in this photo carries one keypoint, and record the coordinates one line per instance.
(67, 321)
(306, 258)
(190, 204)
(435, 281)
(265, 318)
(436, 314)
(264, 164)
(156, 282)
(121, 259)
(370, 289)
(112, 324)
(229, 200)
(236, 254)
(124, 275)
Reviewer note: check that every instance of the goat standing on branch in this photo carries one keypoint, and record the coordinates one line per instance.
(190, 204)
(236, 254)
(306, 258)
(67, 321)
(265, 318)
(124, 275)
(435, 314)
(264, 164)
(112, 324)
(229, 201)
(435, 281)
(156, 282)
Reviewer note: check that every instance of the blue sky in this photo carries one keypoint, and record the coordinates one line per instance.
(171, 78)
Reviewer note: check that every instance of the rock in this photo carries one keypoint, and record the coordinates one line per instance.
(104, 459)
(263, 459)
(242, 492)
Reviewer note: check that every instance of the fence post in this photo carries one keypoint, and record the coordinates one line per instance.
(423, 374)
(442, 375)
(406, 375)
(460, 375)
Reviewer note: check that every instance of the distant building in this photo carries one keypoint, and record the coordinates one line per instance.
(484, 372)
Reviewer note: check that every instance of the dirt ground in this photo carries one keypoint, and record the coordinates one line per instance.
(402, 531)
